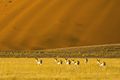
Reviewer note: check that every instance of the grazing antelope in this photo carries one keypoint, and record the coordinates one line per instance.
(39, 61)
(77, 62)
(101, 64)
(86, 60)
(58, 61)
(73, 62)
(67, 61)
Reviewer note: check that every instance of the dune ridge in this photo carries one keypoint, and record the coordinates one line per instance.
(34, 24)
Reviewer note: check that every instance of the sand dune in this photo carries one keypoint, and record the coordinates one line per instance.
(34, 24)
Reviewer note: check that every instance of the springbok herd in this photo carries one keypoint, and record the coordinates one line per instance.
(70, 61)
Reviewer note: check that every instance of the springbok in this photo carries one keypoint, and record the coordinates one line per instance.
(68, 62)
(39, 61)
(86, 60)
(72, 61)
(77, 62)
(101, 63)
(58, 61)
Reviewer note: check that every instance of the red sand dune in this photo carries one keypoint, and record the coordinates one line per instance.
(35, 24)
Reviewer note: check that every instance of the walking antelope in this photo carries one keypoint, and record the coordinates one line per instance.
(39, 61)
(73, 62)
(67, 61)
(86, 60)
(77, 62)
(101, 63)
(58, 61)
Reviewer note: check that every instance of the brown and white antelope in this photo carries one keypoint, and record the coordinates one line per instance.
(39, 61)
(68, 62)
(101, 63)
(72, 61)
(77, 62)
(58, 61)
(86, 60)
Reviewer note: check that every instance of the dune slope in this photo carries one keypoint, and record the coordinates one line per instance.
(35, 24)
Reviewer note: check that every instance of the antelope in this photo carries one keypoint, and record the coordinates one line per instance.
(86, 60)
(67, 61)
(73, 61)
(39, 61)
(77, 62)
(58, 61)
(101, 64)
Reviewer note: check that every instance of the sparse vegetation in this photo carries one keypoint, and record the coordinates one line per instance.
(27, 69)
(21, 64)
(103, 51)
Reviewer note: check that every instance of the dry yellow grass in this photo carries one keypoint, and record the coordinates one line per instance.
(27, 69)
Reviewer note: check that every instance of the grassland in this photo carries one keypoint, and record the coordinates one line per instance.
(21, 64)
(27, 69)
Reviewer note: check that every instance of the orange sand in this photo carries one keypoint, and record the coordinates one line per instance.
(35, 24)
